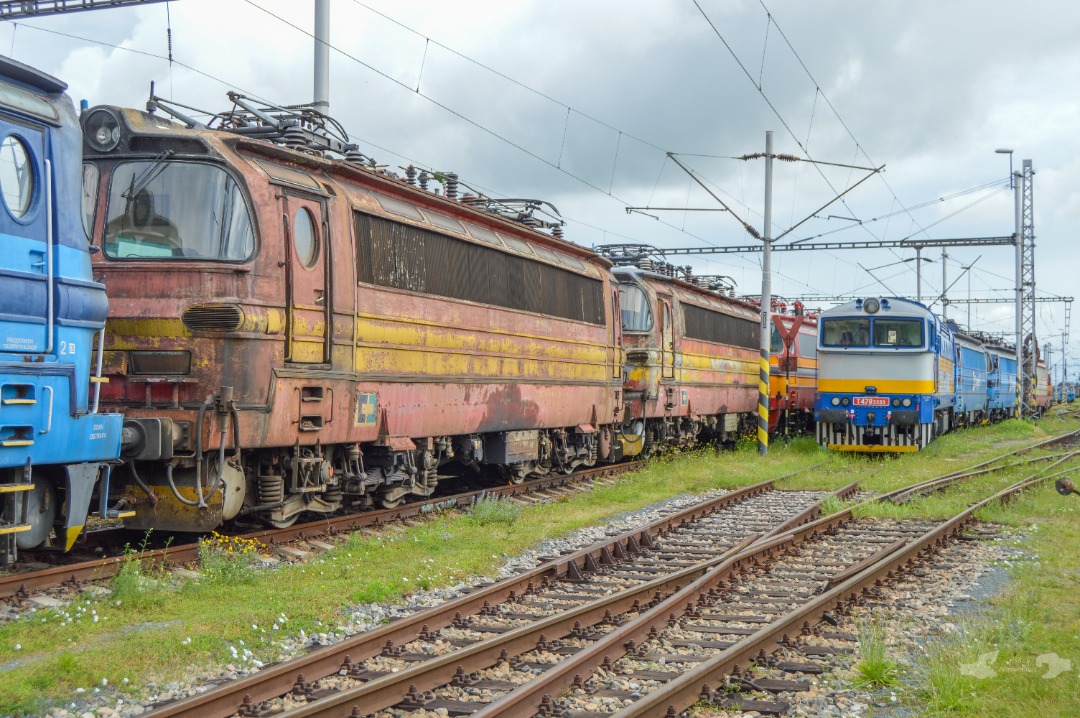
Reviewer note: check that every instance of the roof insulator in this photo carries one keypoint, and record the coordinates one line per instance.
(451, 185)
(295, 136)
(410, 175)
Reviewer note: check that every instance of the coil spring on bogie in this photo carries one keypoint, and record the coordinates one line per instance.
(271, 489)
(332, 495)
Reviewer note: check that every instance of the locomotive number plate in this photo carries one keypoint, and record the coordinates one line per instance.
(870, 401)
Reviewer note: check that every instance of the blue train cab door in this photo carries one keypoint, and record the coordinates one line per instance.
(25, 242)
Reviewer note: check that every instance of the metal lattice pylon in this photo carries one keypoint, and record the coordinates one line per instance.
(1027, 279)
(17, 9)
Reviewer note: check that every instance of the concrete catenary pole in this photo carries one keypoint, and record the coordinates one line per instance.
(918, 274)
(766, 302)
(322, 56)
(944, 284)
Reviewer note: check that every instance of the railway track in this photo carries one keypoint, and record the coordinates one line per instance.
(548, 599)
(21, 584)
(727, 582)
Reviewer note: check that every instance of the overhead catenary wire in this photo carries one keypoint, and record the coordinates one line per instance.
(593, 186)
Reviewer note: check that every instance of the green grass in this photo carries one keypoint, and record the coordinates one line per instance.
(491, 510)
(172, 625)
(1036, 617)
(875, 669)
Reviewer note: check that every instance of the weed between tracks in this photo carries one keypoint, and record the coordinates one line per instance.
(195, 629)
(875, 668)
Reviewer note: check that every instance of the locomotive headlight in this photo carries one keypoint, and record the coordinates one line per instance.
(896, 402)
(102, 130)
(907, 401)
(871, 306)
(836, 401)
(845, 401)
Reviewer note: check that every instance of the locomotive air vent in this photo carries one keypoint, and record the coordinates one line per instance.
(213, 317)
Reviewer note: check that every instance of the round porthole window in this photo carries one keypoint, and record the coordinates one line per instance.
(305, 241)
(16, 175)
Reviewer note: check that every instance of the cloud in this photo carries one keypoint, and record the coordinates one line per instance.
(927, 89)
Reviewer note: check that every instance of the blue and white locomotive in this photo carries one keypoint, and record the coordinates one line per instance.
(892, 375)
(886, 377)
(54, 445)
(1002, 396)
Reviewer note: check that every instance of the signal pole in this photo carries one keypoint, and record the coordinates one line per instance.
(766, 267)
(766, 304)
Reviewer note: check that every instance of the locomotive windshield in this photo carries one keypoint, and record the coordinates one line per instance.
(636, 315)
(176, 210)
(898, 332)
(886, 333)
(845, 332)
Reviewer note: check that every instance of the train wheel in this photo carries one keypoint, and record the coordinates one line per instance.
(391, 503)
(283, 523)
(40, 514)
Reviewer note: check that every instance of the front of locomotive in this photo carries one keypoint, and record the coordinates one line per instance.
(880, 368)
(642, 356)
(174, 242)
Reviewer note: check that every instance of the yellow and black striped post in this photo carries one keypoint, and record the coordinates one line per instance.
(763, 402)
(766, 307)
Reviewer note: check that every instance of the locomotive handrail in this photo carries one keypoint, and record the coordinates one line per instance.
(48, 257)
(48, 421)
(97, 370)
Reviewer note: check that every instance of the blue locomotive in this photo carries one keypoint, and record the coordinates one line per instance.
(54, 445)
(1002, 396)
(892, 375)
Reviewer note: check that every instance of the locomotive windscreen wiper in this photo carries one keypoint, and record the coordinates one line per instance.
(148, 175)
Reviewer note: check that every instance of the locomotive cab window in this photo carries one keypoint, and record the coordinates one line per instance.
(16, 175)
(845, 332)
(636, 313)
(90, 176)
(176, 210)
(898, 332)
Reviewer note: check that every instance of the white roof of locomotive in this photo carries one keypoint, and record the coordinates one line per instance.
(890, 307)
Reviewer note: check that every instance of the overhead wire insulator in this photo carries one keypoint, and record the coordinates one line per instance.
(751, 231)
(788, 158)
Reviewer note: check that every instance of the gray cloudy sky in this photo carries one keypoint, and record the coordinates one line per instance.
(578, 102)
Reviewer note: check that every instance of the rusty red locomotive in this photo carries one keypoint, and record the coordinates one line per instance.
(295, 329)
